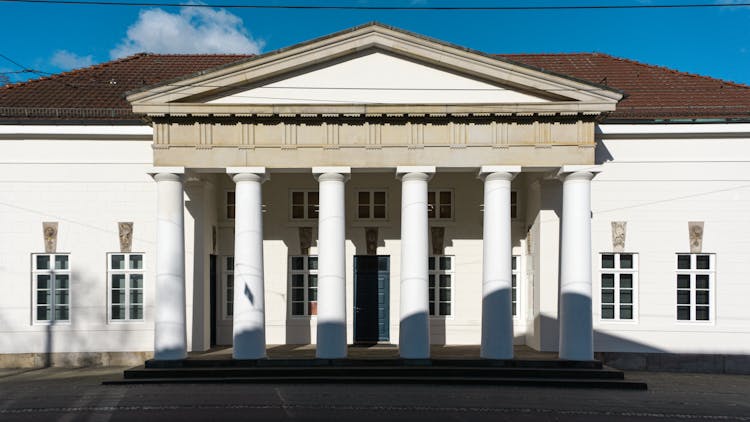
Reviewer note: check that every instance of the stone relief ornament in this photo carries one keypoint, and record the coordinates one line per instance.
(126, 236)
(305, 240)
(371, 239)
(618, 236)
(695, 228)
(438, 235)
(50, 236)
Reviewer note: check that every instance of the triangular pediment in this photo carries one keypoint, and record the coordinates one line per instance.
(374, 68)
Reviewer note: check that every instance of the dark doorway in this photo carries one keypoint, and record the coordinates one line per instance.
(212, 299)
(371, 298)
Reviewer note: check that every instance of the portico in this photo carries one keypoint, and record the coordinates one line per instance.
(401, 171)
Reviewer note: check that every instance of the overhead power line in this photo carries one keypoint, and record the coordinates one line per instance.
(385, 8)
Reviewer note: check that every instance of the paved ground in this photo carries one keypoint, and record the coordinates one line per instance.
(76, 394)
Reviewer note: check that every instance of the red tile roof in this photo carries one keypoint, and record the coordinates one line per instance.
(97, 93)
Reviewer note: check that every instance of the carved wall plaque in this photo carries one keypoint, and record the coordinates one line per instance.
(126, 236)
(49, 229)
(437, 235)
(305, 240)
(618, 235)
(695, 229)
(371, 238)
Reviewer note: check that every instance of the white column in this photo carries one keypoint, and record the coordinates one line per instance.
(248, 322)
(414, 331)
(331, 335)
(497, 308)
(576, 330)
(170, 336)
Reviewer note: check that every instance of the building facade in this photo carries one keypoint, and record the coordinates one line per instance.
(373, 186)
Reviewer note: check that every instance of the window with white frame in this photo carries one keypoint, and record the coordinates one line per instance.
(515, 276)
(51, 284)
(125, 275)
(440, 204)
(230, 204)
(303, 280)
(619, 279)
(304, 205)
(695, 284)
(227, 279)
(441, 277)
(372, 205)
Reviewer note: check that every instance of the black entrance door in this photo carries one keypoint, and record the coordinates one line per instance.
(371, 280)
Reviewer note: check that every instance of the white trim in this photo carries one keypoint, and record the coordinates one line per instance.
(692, 272)
(606, 130)
(617, 271)
(103, 130)
(52, 272)
(127, 272)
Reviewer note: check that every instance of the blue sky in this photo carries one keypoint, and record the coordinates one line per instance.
(53, 38)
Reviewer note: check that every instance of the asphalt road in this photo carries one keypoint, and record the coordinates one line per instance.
(77, 395)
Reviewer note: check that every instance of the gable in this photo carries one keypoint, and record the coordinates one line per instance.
(377, 78)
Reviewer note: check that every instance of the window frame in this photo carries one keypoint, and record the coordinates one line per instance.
(227, 204)
(371, 205)
(52, 272)
(617, 272)
(692, 272)
(127, 272)
(305, 203)
(438, 204)
(435, 273)
(226, 296)
(306, 272)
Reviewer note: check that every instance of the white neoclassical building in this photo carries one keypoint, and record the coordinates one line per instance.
(374, 186)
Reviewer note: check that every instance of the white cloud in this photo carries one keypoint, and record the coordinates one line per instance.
(66, 60)
(192, 30)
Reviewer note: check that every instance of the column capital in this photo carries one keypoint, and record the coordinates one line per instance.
(166, 173)
(254, 174)
(426, 171)
(584, 172)
(334, 173)
(503, 172)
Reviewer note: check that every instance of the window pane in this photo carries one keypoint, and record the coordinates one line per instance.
(701, 281)
(683, 281)
(42, 262)
(626, 312)
(445, 309)
(445, 262)
(683, 262)
(312, 211)
(608, 261)
(379, 211)
(42, 313)
(608, 296)
(626, 296)
(230, 198)
(312, 308)
(363, 198)
(431, 279)
(136, 312)
(136, 281)
(298, 262)
(61, 313)
(445, 280)
(513, 282)
(626, 260)
(42, 281)
(118, 281)
(298, 308)
(514, 309)
(312, 263)
(312, 280)
(230, 212)
(298, 294)
(379, 198)
(136, 297)
(703, 262)
(136, 262)
(445, 211)
(62, 281)
(298, 280)
(298, 211)
(701, 297)
(230, 263)
(312, 294)
(445, 295)
(431, 205)
(431, 263)
(445, 198)
(230, 309)
(118, 262)
(363, 211)
(61, 262)
(43, 297)
(432, 308)
(683, 297)
(432, 294)
(513, 262)
(608, 280)
(118, 312)
(626, 281)
(62, 297)
(683, 313)
(118, 296)
(701, 313)
(312, 199)
(298, 198)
